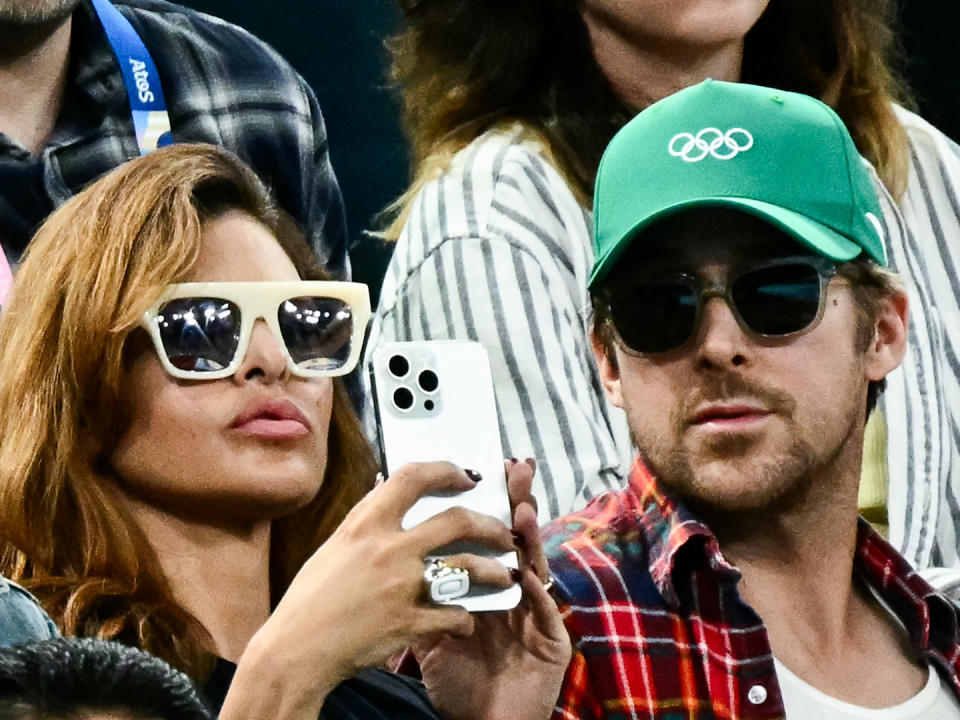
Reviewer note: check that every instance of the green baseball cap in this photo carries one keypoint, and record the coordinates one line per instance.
(781, 156)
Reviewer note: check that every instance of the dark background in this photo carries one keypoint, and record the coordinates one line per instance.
(337, 45)
(929, 33)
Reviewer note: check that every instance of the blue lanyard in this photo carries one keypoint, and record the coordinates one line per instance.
(149, 110)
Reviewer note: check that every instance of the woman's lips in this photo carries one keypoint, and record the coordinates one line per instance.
(273, 419)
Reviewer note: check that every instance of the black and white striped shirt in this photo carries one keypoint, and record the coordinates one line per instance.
(922, 402)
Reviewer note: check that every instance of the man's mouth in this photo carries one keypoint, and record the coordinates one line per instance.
(728, 415)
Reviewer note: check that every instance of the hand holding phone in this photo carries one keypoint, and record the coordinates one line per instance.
(435, 401)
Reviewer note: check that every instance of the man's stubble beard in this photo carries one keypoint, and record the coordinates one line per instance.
(776, 485)
(24, 28)
(771, 485)
(26, 15)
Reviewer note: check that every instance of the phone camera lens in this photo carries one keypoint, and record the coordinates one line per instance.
(428, 404)
(399, 366)
(428, 381)
(403, 398)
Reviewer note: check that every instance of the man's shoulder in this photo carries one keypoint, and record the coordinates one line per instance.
(210, 38)
(21, 617)
(177, 18)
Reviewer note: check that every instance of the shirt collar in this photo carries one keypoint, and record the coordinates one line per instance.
(669, 527)
(929, 617)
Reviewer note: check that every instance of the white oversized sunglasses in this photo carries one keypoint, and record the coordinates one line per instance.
(201, 331)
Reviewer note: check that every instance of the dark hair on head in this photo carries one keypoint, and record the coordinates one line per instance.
(870, 283)
(66, 337)
(68, 678)
(466, 66)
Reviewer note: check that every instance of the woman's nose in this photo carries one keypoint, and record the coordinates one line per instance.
(266, 358)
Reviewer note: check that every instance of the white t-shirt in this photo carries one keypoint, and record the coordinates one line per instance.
(802, 700)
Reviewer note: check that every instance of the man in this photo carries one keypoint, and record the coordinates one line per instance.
(22, 619)
(90, 679)
(75, 76)
(744, 321)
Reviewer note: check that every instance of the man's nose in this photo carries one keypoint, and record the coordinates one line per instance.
(721, 342)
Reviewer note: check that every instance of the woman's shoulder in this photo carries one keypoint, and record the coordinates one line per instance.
(504, 172)
(503, 149)
(928, 143)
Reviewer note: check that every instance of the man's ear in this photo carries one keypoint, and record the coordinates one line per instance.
(609, 368)
(889, 342)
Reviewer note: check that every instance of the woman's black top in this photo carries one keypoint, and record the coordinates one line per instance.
(372, 694)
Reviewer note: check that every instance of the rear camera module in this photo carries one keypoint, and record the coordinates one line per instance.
(428, 381)
(399, 366)
(402, 398)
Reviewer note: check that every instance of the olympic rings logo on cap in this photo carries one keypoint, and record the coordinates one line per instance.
(710, 141)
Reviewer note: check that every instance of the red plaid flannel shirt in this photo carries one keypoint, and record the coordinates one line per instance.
(659, 629)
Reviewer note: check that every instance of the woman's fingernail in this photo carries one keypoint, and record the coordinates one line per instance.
(515, 575)
(519, 540)
(513, 461)
(473, 475)
(532, 463)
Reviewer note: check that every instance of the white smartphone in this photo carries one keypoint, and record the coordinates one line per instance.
(434, 401)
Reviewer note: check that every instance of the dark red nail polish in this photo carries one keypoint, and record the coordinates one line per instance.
(519, 540)
(474, 475)
(515, 575)
(513, 461)
(532, 463)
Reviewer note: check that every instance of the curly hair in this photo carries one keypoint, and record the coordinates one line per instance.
(464, 67)
(89, 274)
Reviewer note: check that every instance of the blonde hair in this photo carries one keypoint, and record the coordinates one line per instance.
(87, 277)
(465, 67)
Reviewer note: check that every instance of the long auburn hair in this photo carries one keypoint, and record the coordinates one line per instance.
(466, 66)
(89, 274)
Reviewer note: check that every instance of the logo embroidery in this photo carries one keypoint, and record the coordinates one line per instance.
(710, 141)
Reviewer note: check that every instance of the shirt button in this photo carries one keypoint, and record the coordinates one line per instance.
(757, 694)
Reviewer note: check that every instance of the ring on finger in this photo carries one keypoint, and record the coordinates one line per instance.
(445, 583)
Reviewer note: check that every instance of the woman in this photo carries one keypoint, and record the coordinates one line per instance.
(509, 106)
(179, 461)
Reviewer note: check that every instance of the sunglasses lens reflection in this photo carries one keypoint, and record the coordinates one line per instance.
(778, 300)
(199, 334)
(317, 331)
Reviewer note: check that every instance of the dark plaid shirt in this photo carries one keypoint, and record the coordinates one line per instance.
(222, 86)
(659, 629)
